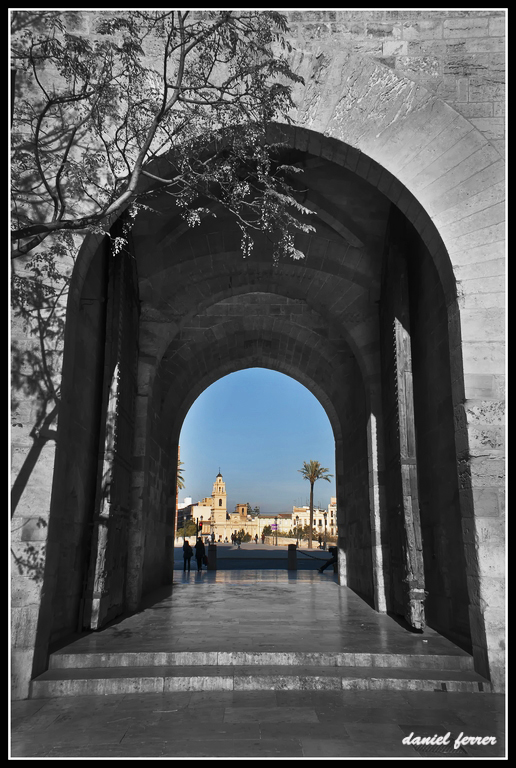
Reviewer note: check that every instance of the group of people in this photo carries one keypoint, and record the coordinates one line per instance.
(200, 554)
(236, 539)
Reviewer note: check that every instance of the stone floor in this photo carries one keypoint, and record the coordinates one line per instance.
(258, 611)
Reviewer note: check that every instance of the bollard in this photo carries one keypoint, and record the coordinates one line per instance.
(212, 557)
(292, 558)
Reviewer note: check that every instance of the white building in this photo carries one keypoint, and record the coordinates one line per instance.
(301, 517)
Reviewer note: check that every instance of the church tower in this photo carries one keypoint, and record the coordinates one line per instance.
(219, 504)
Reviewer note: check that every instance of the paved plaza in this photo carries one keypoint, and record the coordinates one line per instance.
(251, 610)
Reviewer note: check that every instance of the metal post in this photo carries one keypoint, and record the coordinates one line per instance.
(212, 557)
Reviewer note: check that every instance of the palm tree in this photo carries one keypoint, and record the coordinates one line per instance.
(180, 479)
(312, 471)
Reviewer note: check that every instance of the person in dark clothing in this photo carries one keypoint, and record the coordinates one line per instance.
(200, 551)
(187, 555)
(333, 559)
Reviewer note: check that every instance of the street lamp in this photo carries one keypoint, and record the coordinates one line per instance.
(297, 530)
(325, 515)
(276, 527)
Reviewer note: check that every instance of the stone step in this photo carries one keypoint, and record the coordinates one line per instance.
(91, 681)
(67, 660)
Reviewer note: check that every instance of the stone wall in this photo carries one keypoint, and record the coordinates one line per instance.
(355, 529)
(458, 55)
(410, 103)
(446, 606)
(76, 481)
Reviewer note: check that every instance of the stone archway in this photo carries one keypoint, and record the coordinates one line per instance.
(445, 178)
(389, 169)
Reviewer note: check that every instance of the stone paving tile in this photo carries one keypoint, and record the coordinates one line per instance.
(270, 715)
(25, 708)
(23, 748)
(314, 730)
(446, 717)
(110, 751)
(255, 748)
(495, 750)
(457, 700)
(204, 698)
(191, 731)
(347, 748)
(258, 699)
(51, 737)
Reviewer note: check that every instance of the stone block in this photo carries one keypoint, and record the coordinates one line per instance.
(486, 412)
(486, 502)
(423, 29)
(484, 45)
(466, 27)
(486, 439)
(34, 529)
(482, 324)
(487, 471)
(491, 127)
(487, 88)
(396, 48)
(21, 672)
(382, 30)
(482, 300)
(465, 178)
(497, 25)
(489, 215)
(484, 532)
(24, 623)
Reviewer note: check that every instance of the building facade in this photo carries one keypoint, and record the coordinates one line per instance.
(214, 521)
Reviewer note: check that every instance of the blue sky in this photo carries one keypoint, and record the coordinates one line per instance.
(258, 426)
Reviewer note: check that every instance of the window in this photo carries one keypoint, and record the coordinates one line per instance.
(220, 502)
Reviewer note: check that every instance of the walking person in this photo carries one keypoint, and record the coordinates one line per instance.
(187, 555)
(200, 552)
(333, 559)
(256, 538)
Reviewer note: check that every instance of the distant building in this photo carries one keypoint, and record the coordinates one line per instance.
(332, 516)
(282, 519)
(215, 520)
(301, 517)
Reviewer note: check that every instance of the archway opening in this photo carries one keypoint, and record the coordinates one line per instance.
(257, 427)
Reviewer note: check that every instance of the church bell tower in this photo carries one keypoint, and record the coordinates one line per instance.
(219, 499)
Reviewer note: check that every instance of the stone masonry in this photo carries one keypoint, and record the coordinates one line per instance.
(399, 133)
